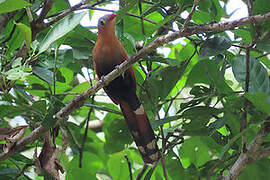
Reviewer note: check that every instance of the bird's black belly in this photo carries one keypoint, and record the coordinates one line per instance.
(123, 87)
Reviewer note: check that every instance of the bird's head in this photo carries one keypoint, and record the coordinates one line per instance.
(106, 23)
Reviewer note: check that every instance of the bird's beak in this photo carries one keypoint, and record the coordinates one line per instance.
(112, 16)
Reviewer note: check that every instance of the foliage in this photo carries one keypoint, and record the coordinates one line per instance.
(199, 91)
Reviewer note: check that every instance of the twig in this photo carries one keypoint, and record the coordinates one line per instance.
(190, 14)
(78, 101)
(23, 170)
(29, 14)
(79, 6)
(73, 137)
(20, 145)
(139, 176)
(219, 162)
(114, 11)
(263, 55)
(86, 131)
(142, 22)
(129, 167)
(103, 108)
(46, 8)
(244, 120)
(185, 64)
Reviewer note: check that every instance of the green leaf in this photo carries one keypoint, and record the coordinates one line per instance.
(16, 62)
(214, 46)
(15, 42)
(80, 88)
(162, 82)
(208, 73)
(258, 80)
(115, 128)
(263, 46)
(40, 106)
(26, 32)
(91, 164)
(49, 119)
(174, 166)
(44, 74)
(60, 29)
(256, 170)
(199, 116)
(12, 5)
(194, 150)
(163, 121)
(80, 37)
(261, 7)
(118, 166)
(201, 17)
(260, 100)
(244, 34)
(236, 137)
(16, 74)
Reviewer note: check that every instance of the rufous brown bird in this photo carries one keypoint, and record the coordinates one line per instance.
(107, 54)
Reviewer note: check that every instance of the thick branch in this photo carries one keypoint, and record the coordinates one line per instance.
(213, 27)
(78, 101)
(252, 154)
(20, 145)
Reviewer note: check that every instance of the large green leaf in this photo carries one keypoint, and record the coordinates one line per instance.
(91, 164)
(58, 6)
(115, 128)
(44, 74)
(60, 29)
(162, 82)
(258, 76)
(26, 32)
(118, 166)
(214, 46)
(12, 5)
(256, 170)
(193, 150)
(207, 72)
(174, 166)
(199, 116)
(260, 100)
(80, 37)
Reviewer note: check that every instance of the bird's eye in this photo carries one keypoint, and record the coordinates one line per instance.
(102, 22)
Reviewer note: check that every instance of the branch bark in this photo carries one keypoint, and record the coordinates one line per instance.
(78, 101)
(252, 154)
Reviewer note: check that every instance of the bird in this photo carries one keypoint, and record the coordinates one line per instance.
(108, 53)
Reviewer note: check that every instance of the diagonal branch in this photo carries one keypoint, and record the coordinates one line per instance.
(79, 100)
(81, 5)
(213, 27)
(252, 153)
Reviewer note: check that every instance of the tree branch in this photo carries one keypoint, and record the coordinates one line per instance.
(46, 8)
(212, 27)
(79, 6)
(78, 101)
(252, 154)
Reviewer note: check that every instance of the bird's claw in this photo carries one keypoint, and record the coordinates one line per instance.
(102, 79)
(117, 67)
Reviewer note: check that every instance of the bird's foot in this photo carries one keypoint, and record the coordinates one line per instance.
(117, 67)
(102, 79)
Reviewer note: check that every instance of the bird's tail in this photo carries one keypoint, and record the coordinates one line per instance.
(141, 132)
